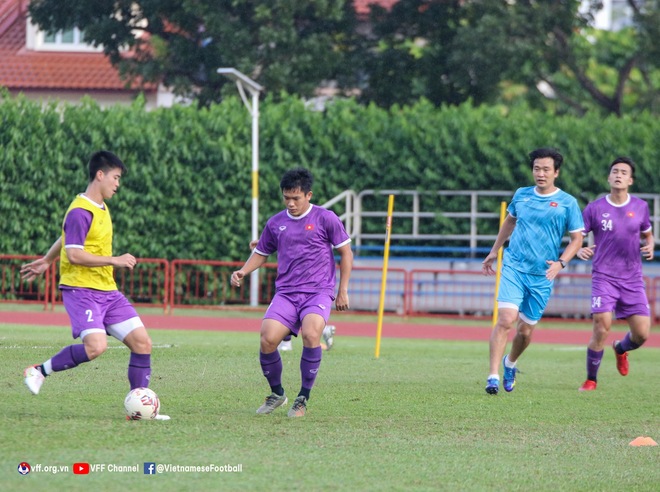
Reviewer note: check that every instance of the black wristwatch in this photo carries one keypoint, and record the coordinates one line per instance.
(563, 263)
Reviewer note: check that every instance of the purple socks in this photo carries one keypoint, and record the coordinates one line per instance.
(271, 366)
(593, 363)
(309, 368)
(69, 357)
(139, 370)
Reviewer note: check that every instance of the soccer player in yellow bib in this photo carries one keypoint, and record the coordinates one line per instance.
(89, 292)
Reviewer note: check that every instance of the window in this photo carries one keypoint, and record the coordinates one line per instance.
(72, 36)
(71, 40)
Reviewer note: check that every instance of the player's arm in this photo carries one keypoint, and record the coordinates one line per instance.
(78, 256)
(32, 270)
(345, 267)
(77, 225)
(555, 266)
(505, 233)
(649, 244)
(254, 261)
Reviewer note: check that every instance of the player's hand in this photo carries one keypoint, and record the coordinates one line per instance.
(236, 278)
(586, 253)
(32, 270)
(487, 264)
(647, 251)
(341, 303)
(125, 261)
(253, 243)
(554, 267)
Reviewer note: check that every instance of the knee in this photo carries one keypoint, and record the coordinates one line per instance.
(525, 330)
(504, 323)
(138, 342)
(601, 329)
(142, 345)
(268, 342)
(640, 338)
(95, 348)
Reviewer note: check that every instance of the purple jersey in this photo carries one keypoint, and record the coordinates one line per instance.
(616, 230)
(305, 261)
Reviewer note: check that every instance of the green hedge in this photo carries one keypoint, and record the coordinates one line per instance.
(188, 190)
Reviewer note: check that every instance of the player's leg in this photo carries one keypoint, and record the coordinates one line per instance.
(509, 299)
(123, 323)
(640, 327)
(604, 297)
(634, 306)
(281, 319)
(134, 335)
(86, 317)
(537, 290)
(602, 323)
(520, 342)
(310, 361)
(315, 312)
(272, 332)
(138, 342)
(506, 317)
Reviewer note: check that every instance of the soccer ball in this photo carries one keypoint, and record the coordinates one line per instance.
(141, 404)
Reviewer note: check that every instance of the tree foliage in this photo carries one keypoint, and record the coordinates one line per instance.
(447, 51)
(551, 48)
(286, 45)
(187, 193)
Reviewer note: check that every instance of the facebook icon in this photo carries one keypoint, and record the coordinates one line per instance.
(150, 468)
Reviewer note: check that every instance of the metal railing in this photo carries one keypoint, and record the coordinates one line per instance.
(416, 211)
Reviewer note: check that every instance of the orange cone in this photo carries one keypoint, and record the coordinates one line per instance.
(643, 441)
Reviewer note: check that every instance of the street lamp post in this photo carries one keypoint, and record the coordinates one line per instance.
(243, 82)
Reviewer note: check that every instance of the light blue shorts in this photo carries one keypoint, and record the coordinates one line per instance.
(529, 293)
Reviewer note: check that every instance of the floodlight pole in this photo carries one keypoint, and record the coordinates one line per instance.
(244, 82)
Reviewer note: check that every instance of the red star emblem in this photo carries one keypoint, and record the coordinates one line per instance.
(630, 214)
(554, 204)
(309, 227)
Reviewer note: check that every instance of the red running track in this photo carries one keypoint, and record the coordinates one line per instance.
(345, 328)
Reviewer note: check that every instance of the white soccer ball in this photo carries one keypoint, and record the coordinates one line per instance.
(141, 404)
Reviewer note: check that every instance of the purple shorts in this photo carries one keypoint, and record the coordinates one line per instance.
(96, 310)
(624, 297)
(290, 309)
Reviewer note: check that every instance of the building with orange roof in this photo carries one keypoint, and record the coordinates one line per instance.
(61, 67)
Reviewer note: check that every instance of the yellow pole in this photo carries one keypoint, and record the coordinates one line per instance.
(386, 257)
(498, 271)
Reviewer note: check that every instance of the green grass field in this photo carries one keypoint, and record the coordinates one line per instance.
(415, 419)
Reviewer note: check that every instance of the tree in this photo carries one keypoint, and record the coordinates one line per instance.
(551, 48)
(407, 54)
(285, 45)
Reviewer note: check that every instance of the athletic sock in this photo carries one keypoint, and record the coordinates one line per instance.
(508, 363)
(69, 357)
(271, 366)
(593, 363)
(626, 345)
(309, 368)
(139, 370)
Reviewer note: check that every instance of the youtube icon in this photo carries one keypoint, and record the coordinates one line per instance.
(81, 468)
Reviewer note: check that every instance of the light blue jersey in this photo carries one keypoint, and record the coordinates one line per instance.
(541, 222)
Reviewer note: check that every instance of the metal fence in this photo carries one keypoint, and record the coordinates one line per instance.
(412, 289)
